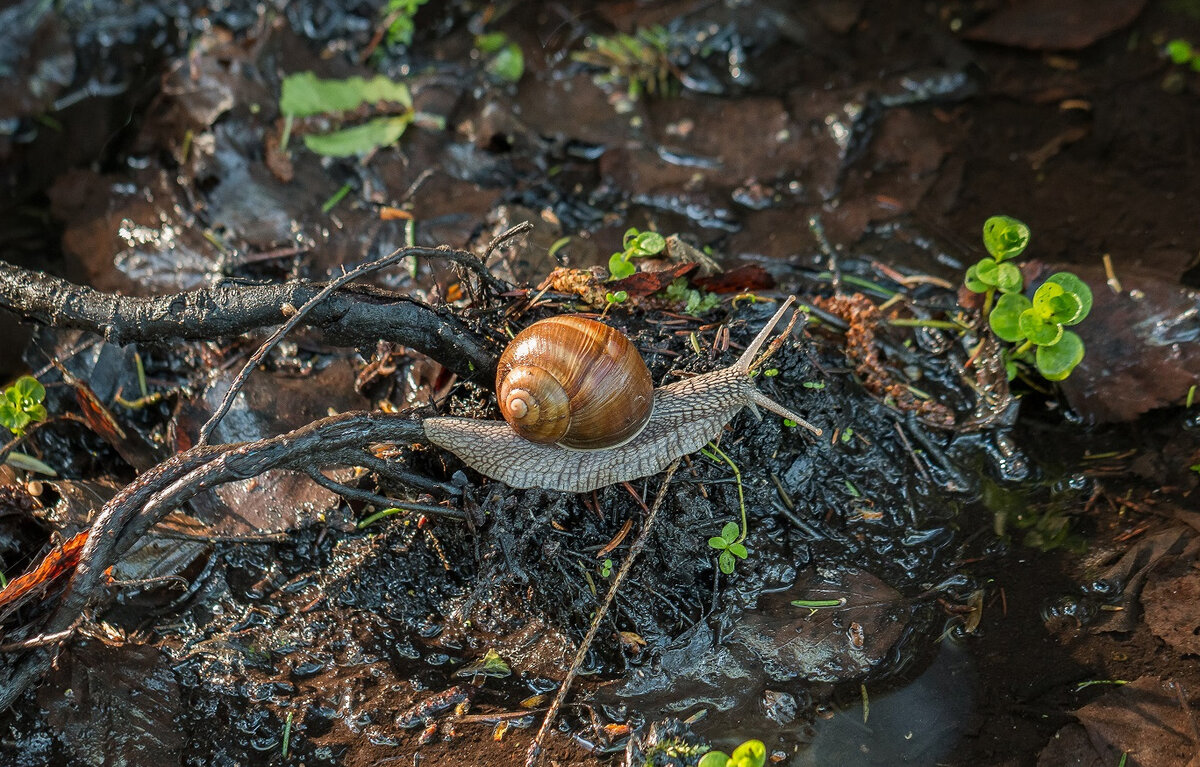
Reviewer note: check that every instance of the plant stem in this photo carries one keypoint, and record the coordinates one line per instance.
(737, 474)
(905, 322)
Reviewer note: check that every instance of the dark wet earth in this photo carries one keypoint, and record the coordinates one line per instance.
(1013, 571)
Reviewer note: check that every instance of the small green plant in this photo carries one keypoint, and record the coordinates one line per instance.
(619, 297)
(729, 543)
(606, 568)
(636, 245)
(1181, 52)
(1038, 326)
(695, 302)
(641, 60)
(400, 15)
(22, 405)
(752, 753)
(503, 59)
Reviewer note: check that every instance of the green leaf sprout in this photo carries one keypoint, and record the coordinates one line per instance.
(752, 753)
(21, 404)
(636, 245)
(1037, 326)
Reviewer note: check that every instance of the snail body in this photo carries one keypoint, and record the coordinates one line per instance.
(681, 418)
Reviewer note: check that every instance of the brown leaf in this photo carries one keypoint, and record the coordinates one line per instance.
(60, 560)
(743, 279)
(1055, 24)
(642, 284)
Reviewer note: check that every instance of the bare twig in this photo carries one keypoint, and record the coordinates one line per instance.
(534, 754)
(129, 514)
(353, 316)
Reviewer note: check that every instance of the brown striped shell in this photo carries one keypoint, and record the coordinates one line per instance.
(575, 382)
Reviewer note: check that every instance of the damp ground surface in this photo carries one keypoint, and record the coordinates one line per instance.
(957, 571)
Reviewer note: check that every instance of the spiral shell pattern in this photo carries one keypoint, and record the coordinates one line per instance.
(575, 382)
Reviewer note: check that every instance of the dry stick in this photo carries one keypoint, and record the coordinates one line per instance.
(533, 755)
(363, 269)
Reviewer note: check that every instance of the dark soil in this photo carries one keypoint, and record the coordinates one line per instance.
(1016, 568)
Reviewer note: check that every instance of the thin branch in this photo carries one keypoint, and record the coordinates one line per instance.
(129, 514)
(534, 754)
(354, 316)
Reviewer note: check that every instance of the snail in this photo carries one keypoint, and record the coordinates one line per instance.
(601, 422)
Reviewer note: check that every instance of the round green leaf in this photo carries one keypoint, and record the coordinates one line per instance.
(1005, 237)
(30, 388)
(1077, 288)
(725, 562)
(620, 267)
(718, 543)
(973, 283)
(738, 550)
(730, 531)
(986, 271)
(1065, 309)
(1006, 314)
(1056, 362)
(1039, 330)
(714, 759)
(1043, 296)
(648, 244)
(752, 753)
(1010, 369)
(1008, 278)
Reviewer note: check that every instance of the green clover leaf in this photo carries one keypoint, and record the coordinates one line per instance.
(987, 272)
(1038, 329)
(726, 561)
(1008, 278)
(1055, 362)
(1078, 289)
(1005, 316)
(752, 753)
(1005, 237)
(972, 281)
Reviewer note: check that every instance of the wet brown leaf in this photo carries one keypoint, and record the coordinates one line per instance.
(1172, 605)
(120, 708)
(1143, 718)
(1142, 344)
(829, 644)
(60, 560)
(743, 279)
(1055, 24)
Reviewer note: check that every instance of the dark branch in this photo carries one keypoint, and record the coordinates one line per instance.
(142, 503)
(352, 316)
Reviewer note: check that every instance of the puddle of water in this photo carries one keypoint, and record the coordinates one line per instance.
(919, 723)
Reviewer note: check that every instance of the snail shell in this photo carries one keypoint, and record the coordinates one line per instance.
(684, 416)
(575, 382)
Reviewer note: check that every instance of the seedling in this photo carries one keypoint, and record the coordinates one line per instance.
(400, 15)
(641, 60)
(752, 753)
(503, 59)
(1181, 52)
(606, 568)
(695, 302)
(731, 540)
(729, 543)
(21, 404)
(1037, 326)
(636, 245)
